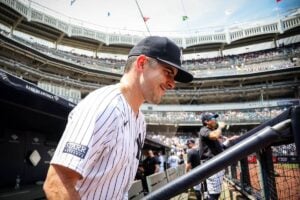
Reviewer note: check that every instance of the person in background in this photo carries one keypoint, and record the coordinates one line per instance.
(98, 154)
(173, 160)
(161, 160)
(193, 160)
(181, 159)
(210, 145)
(150, 164)
(141, 176)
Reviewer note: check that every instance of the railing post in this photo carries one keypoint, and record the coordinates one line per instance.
(296, 128)
(267, 174)
(245, 175)
(232, 171)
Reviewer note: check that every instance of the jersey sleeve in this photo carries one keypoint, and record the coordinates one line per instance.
(86, 136)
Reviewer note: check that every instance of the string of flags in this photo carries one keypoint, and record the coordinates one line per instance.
(185, 17)
(146, 18)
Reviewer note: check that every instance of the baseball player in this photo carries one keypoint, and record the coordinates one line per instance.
(98, 154)
(210, 144)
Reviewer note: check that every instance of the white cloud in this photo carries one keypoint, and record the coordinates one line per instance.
(228, 12)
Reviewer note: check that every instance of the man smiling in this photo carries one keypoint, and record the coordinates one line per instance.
(98, 154)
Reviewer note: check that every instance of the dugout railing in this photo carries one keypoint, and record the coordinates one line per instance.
(270, 176)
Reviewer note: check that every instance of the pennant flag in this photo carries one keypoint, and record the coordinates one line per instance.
(72, 2)
(185, 18)
(146, 19)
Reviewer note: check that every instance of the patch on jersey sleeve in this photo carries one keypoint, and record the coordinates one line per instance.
(76, 149)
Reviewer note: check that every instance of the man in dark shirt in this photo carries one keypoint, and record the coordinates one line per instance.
(193, 157)
(193, 160)
(210, 137)
(150, 164)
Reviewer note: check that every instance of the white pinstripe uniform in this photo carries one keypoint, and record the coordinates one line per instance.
(102, 142)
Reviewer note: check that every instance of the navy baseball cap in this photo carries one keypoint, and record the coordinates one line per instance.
(208, 116)
(165, 51)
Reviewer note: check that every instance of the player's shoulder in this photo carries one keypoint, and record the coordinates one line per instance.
(104, 95)
(204, 130)
(99, 100)
(106, 91)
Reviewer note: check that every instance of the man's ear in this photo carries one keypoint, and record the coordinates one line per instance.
(140, 62)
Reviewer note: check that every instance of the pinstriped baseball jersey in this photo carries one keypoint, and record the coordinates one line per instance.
(102, 142)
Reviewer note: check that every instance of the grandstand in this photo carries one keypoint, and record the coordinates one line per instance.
(247, 88)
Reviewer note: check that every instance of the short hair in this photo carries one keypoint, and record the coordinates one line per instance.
(132, 59)
(152, 61)
(129, 63)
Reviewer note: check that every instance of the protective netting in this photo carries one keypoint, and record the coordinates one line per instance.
(279, 180)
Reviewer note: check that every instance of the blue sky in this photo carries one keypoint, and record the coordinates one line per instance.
(166, 15)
